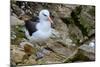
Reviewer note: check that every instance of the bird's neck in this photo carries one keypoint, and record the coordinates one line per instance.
(45, 22)
(44, 25)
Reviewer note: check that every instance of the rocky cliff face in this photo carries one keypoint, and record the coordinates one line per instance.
(73, 38)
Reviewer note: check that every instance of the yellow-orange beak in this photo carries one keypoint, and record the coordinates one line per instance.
(50, 19)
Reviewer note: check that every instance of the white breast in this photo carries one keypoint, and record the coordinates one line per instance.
(40, 35)
(43, 33)
(44, 26)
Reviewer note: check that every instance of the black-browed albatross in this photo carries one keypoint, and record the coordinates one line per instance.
(39, 29)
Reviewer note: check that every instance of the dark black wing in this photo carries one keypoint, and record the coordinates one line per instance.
(35, 19)
(31, 26)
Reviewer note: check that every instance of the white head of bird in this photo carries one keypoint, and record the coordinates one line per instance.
(45, 15)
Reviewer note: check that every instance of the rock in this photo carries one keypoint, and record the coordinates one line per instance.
(92, 44)
(28, 48)
(60, 49)
(64, 12)
(16, 21)
(55, 34)
(71, 57)
(22, 44)
(71, 6)
(51, 58)
(31, 61)
(45, 51)
(88, 51)
(69, 42)
(60, 33)
(13, 37)
(17, 10)
(21, 57)
(54, 62)
(87, 48)
(39, 55)
(75, 33)
(91, 32)
(17, 55)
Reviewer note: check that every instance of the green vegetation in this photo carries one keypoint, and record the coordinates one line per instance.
(77, 58)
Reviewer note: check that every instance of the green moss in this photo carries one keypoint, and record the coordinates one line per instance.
(41, 61)
(78, 57)
(67, 21)
(87, 24)
(19, 34)
(92, 11)
(75, 15)
(79, 19)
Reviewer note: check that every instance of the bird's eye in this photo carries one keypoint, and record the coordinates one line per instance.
(44, 14)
